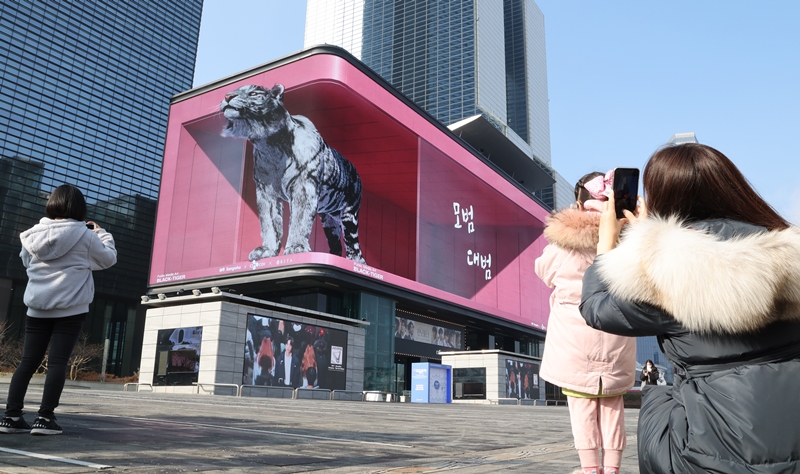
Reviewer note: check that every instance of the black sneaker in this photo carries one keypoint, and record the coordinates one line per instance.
(42, 426)
(10, 426)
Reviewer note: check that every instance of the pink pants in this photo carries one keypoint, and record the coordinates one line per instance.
(598, 423)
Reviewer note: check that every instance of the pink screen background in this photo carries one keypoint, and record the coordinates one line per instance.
(412, 174)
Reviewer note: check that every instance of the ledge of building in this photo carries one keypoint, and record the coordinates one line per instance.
(489, 351)
(215, 294)
(497, 148)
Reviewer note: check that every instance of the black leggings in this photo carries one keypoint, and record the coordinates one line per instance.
(61, 334)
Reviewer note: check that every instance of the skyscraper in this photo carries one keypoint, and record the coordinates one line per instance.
(84, 98)
(683, 137)
(454, 58)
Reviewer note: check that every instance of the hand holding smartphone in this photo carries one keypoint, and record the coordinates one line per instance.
(626, 190)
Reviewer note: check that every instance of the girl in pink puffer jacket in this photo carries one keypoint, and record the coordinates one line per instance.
(594, 369)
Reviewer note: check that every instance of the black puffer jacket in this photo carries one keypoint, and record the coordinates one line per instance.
(723, 297)
(649, 378)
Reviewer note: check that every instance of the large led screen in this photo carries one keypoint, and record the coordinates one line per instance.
(314, 162)
(522, 379)
(283, 353)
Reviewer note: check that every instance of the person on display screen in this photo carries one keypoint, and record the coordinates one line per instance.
(401, 329)
(287, 367)
(409, 331)
(439, 337)
(454, 339)
(309, 362)
(265, 351)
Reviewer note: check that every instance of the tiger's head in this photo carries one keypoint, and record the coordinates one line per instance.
(254, 112)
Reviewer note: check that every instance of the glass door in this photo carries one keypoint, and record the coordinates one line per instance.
(400, 375)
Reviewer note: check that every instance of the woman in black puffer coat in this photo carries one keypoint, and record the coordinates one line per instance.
(649, 374)
(715, 275)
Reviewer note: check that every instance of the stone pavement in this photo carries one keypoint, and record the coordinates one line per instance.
(166, 433)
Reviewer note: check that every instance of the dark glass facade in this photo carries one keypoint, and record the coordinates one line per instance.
(84, 99)
(516, 82)
(546, 195)
(426, 49)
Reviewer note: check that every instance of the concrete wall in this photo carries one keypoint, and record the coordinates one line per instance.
(495, 363)
(222, 347)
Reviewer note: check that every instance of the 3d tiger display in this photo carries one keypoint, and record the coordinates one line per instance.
(293, 163)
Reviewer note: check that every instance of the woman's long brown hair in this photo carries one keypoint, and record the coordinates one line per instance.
(309, 359)
(265, 350)
(696, 182)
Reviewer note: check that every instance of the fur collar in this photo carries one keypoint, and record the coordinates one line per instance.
(706, 283)
(573, 229)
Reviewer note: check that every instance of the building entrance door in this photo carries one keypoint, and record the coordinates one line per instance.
(402, 372)
(400, 377)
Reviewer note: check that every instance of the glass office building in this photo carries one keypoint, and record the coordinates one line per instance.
(84, 99)
(440, 56)
(429, 57)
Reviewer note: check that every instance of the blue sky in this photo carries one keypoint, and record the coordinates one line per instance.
(623, 76)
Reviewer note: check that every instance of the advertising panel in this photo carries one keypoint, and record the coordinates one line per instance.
(414, 330)
(424, 339)
(430, 383)
(315, 162)
(177, 356)
(522, 379)
(284, 353)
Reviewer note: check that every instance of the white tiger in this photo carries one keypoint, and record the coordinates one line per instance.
(294, 164)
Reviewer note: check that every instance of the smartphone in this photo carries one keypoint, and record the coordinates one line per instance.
(626, 189)
(90, 226)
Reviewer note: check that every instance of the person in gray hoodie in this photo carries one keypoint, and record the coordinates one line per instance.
(59, 253)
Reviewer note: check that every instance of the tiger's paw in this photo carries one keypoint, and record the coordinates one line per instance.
(356, 257)
(261, 252)
(296, 248)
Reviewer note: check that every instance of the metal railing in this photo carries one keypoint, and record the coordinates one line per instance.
(379, 396)
(312, 394)
(203, 384)
(555, 403)
(504, 401)
(348, 395)
(270, 391)
(138, 384)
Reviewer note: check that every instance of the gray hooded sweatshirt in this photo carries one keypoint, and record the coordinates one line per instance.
(60, 256)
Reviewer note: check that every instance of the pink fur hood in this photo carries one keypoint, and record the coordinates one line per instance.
(573, 229)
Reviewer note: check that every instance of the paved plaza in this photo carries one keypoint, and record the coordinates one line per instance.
(120, 431)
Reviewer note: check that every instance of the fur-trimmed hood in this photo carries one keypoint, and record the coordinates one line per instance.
(573, 229)
(707, 281)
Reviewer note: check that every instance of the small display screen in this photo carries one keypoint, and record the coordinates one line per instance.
(183, 361)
